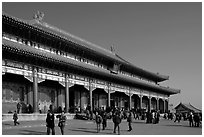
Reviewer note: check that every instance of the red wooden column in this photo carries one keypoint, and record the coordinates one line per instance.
(35, 90)
(66, 93)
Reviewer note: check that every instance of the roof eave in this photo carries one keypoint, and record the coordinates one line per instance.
(155, 77)
(101, 71)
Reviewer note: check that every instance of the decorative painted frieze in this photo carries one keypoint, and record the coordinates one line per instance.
(50, 77)
(135, 91)
(6, 69)
(145, 93)
(152, 94)
(162, 96)
(14, 64)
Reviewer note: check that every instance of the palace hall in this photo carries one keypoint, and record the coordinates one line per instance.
(45, 66)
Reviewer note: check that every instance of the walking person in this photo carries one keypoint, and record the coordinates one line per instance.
(129, 120)
(157, 117)
(62, 121)
(190, 119)
(15, 118)
(50, 123)
(98, 119)
(104, 122)
(39, 108)
(137, 116)
(196, 119)
(153, 117)
(117, 121)
(180, 117)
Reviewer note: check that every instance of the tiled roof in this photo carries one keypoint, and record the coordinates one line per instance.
(99, 50)
(17, 47)
(52, 29)
(189, 107)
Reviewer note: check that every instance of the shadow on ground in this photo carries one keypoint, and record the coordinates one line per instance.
(31, 132)
(88, 130)
(139, 122)
(8, 124)
(180, 125)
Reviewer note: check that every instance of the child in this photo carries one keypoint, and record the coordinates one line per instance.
(15, 118)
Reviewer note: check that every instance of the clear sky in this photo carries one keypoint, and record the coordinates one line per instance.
(158, 37)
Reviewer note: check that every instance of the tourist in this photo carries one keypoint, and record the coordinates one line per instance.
(117, 121)
(134, 113)
(18, 107)
(50, 123)
(148, 115)
(104, 123)
(87, 113)
(98, 120)
(190, 119)
(177, 117)
(62, 120)
(137, 115)
(129, 120)
(171, 116)
(15, 118)
(59, 109)
(39, 108)
(153, 117)
(30, 109)
(196, 120)
(157, 117)
(185, 117)
(180, 117)
(51, 107)
(165, 116)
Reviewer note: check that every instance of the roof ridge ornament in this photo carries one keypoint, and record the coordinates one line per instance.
(112, 49)
(38, 16)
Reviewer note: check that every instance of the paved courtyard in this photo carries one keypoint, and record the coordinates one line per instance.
(83, 127)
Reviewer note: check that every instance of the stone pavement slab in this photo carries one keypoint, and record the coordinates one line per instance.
(87, 127)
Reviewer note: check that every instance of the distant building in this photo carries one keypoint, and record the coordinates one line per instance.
(171, 108)
(186, 108)
(45, 66)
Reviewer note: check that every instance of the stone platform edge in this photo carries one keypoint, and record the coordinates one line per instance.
(30, 117)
